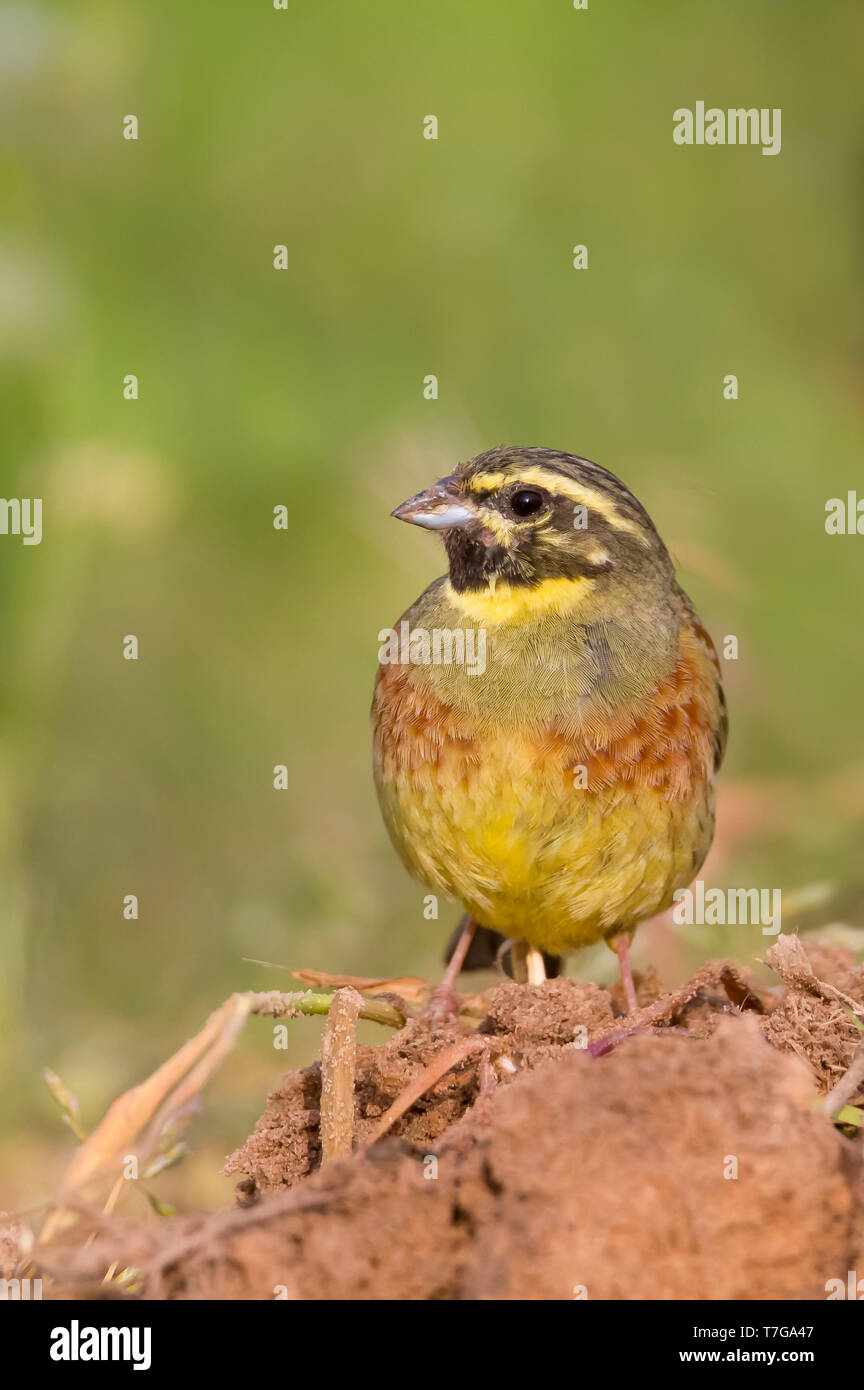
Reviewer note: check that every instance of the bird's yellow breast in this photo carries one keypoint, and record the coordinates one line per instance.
(555, 837)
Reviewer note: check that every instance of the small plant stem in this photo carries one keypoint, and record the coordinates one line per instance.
(278, 1005)
(338, 1059)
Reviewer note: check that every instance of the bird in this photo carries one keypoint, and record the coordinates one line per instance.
(563, 787)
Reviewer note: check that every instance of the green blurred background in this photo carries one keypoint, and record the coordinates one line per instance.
(305, 387)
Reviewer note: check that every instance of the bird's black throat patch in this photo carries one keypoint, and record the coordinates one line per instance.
(473, 562)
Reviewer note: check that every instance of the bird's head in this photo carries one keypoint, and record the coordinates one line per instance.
(539, 520)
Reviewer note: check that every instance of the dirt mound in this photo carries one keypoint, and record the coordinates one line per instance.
(559, 1150)
(672, 1168)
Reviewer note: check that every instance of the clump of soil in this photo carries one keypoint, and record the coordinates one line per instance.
(680, 1152)
(813, 1018)
(533, 1023)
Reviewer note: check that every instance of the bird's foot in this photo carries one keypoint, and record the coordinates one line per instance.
(443, 1003)
(442, 1006)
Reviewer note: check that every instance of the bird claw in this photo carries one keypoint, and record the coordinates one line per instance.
(443, 1005)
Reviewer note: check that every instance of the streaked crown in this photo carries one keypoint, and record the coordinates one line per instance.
(527, 515)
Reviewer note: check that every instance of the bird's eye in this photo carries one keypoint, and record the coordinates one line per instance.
(526, 501)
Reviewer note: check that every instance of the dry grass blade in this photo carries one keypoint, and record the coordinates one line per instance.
(717, 973)
(409, 987)
(437, 1068)
(67, 1103)
(170, 1086)
(841, 1094)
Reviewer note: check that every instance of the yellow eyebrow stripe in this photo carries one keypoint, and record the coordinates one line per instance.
(568, 487)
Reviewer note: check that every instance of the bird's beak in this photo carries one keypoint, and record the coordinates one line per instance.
(439, 507)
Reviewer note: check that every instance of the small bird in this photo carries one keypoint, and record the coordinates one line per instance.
(561, 787)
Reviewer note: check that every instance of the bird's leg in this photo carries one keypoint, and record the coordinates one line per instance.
(535, 966)
(622, 950)
(519, 961)
(442, 1001)
(528, 964)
